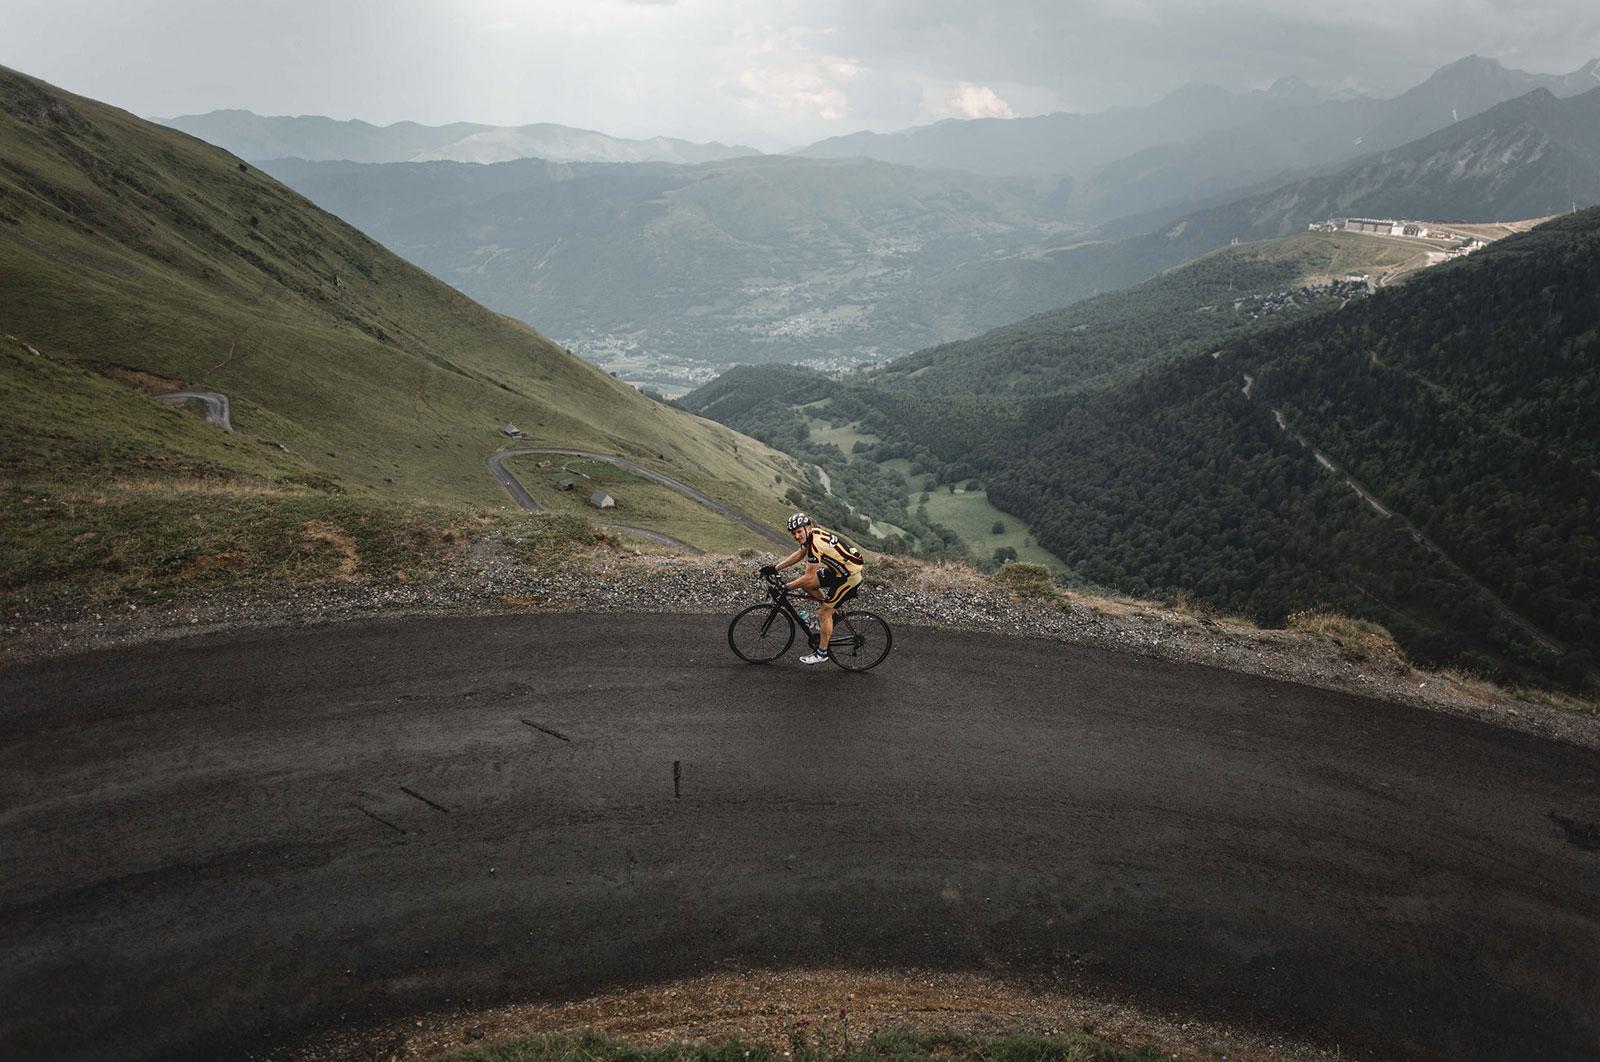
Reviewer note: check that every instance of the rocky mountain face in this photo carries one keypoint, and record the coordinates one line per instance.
(259, 138)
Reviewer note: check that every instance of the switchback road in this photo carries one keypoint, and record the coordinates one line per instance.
(496, 462)
(215, 403)
(216, 844)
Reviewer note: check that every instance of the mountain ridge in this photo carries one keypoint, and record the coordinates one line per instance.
(259, 138)
(133, 252)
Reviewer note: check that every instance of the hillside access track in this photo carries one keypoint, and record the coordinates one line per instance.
(215, 403)
(218, 844)
(513, 486)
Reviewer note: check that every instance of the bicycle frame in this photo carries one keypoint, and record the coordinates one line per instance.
(783, 597)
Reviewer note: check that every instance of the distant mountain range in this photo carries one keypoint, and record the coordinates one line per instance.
(1526, 158)
(786, 259)
(1293, 140)
(1204, 141)
(259, 138)
(756, 259)
(1062, 143)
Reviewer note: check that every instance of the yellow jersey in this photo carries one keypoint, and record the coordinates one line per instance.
(836, 554)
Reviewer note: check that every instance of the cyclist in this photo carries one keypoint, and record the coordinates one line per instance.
(833, 568)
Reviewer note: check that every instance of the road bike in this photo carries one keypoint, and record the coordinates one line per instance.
(765, 631)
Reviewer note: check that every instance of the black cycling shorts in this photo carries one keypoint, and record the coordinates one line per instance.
(834, 586)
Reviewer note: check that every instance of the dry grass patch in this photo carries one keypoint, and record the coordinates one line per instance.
(148, 382)
(1029, 580)
(320, 538)
(1359, 640)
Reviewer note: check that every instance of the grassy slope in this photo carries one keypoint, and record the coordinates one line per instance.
(127, 244)
(1103, 340)
(640, 503)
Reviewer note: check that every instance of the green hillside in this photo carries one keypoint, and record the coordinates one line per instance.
(1137, 437)
(919, 418)
(1463, 402)
(128, 246)
(1104, 339)
(365, 394)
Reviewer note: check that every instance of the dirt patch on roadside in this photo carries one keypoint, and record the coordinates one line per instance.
(766, 1008)
(319, 538)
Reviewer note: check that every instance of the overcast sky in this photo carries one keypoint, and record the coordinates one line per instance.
(770, 73)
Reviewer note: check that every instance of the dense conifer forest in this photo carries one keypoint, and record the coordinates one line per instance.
(1464, 402)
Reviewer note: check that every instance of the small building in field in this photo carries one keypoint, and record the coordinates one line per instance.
(512, 431)
(565, 484)
(601, 500)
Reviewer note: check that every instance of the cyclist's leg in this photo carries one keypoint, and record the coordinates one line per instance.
(834, 595)
(809, 583)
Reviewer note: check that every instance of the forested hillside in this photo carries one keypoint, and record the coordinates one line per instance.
(1463, 401)
(923, 417)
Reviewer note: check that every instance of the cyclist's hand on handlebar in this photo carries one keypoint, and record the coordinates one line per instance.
(768, 571)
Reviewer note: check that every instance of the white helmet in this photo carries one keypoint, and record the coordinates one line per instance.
(798, 520)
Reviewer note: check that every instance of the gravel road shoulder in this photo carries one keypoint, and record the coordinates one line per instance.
(485, 580)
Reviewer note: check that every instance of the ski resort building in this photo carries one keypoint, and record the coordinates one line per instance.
(1376, 226)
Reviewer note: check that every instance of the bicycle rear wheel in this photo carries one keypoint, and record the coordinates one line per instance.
(761, 633)
(860, 641)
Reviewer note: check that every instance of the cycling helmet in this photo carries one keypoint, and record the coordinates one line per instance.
(798, 520)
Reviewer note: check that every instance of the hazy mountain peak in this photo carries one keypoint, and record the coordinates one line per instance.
(1289, 85)
(317, 138)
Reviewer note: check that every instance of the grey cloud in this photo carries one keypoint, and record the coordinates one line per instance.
(1093, 54)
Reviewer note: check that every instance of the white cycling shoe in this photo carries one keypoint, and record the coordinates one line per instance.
(817, 656)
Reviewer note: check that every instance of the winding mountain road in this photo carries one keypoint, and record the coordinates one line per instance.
(496, 462)
(215, 403)
(519, 494)
(217, 844)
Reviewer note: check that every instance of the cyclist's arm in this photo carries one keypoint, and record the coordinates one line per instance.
(791, 559)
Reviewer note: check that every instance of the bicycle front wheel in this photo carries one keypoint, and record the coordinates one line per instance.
(761, 633)
(860, 641)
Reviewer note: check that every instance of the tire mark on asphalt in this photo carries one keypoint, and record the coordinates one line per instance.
(413, 793)
(380, 819)
(546, 730)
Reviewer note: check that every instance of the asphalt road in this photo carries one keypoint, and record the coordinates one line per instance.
(220, 843)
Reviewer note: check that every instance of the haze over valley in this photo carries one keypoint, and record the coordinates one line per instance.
(800, 532)
(862, 249)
